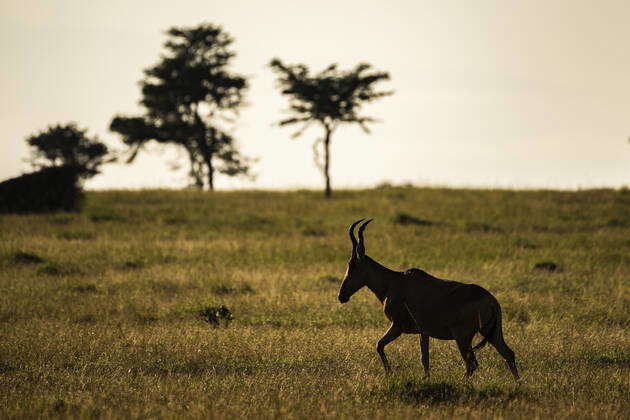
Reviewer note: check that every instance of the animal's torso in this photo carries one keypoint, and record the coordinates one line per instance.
(421, 303)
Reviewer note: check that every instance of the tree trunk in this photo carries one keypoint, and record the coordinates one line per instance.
(194, 170)
(328, 191)
(205, 144)
(210, 173)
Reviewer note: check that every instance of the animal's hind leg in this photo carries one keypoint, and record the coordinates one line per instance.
(506, 352)
(464, 344)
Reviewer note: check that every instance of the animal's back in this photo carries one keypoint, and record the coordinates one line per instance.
(441, 299)
(422, 278)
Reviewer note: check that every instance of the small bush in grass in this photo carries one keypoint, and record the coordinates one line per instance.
(215, 315)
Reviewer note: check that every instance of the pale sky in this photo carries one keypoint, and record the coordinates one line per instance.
(521, 94)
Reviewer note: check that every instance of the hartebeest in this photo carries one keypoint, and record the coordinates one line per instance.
(418, 303)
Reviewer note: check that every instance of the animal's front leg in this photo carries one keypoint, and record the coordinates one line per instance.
(392, 333)
(424, 348)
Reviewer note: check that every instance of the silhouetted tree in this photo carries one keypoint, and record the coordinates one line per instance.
(186, 96)
(329, 98)
(68, 145)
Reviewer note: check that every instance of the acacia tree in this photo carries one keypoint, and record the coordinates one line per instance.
(68, 145)
(188, 96)
(329, 98)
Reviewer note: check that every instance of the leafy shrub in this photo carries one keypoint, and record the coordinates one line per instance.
(47, 190)
(215, 315)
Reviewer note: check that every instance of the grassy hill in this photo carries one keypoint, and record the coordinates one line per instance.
(105, 313)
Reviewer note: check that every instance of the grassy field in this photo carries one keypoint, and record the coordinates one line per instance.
(101, 313)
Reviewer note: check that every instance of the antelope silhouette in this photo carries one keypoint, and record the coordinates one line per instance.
(417, 303)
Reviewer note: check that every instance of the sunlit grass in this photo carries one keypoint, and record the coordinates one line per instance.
(100, 311)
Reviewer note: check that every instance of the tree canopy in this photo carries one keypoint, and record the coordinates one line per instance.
(190, 99)
(329, 98)
(68, 145)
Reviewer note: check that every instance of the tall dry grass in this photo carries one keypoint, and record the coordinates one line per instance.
(99, 311)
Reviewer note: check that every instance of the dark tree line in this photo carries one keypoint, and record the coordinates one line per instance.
(191, 99)
(191, 91)
(49, 189)
(63, 156)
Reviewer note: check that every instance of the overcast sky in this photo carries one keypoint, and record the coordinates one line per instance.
(488, 93)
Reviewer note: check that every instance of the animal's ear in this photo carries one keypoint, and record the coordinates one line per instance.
(361, 245)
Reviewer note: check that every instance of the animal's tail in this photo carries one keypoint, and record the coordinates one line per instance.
(494, 321)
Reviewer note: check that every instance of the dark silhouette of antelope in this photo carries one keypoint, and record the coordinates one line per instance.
(418, 303)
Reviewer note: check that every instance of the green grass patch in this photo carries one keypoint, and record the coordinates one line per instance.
(116, 312)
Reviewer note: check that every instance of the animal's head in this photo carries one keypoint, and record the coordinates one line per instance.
(356, 273)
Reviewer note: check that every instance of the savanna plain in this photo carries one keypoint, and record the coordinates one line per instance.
(113, 312)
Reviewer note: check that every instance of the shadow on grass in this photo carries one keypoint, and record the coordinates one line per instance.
(611, 358)
(76, 236)
(83, 288)
(418, 392)
(223, 289)
(133, 264)
(27, 258)
(59, 270)
(405, 219)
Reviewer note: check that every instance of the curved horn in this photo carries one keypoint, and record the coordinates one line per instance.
(352, 238)
(361, 246)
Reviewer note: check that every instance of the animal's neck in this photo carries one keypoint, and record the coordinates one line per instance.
(379, 278)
